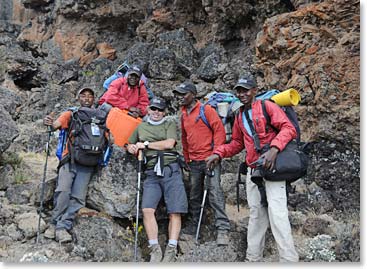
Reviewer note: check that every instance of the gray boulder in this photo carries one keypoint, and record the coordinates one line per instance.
(9, 130)
(100, 239)
(114, 192)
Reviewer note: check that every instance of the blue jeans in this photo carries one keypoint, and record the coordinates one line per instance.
(70, 194)
(215, 194)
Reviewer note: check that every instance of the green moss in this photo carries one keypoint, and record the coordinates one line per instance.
(19, 176)
(88, 73)
(12, 159)
(16, 162)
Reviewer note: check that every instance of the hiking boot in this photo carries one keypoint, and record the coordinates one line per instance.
(50, 232)
(170, 254)
(63, 236)
(155, 253)
(222, 238)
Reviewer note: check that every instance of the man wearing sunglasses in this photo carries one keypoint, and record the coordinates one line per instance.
(198, 143)
(157, 137)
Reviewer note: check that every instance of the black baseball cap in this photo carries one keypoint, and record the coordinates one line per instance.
(247, 83)
(158, 103)
(185, 88)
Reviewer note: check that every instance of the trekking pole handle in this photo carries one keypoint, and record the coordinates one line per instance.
(210, 173)
(140, 155)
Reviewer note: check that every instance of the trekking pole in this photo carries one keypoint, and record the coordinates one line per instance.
(40, 209)
(140, 164)
(209, 173)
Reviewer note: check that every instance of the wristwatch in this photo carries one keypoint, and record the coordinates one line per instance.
(146, 144)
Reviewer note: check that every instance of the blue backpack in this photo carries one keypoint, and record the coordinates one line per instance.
(62, 141)
(226, 113)
(289, 111)
(121, 72)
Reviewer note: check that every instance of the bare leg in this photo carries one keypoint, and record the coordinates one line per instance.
(150, 223)
(174, 226)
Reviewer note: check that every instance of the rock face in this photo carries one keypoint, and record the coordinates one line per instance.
(100, 239)
(316, 50)
(50, 49)
(9, 131)
(115, 191)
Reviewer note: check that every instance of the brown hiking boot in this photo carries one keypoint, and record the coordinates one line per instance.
(170, 254)
(50, 232)
(222, 238)
(63, 236)
(155, 253)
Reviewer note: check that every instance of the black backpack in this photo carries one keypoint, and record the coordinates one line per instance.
(87, 139)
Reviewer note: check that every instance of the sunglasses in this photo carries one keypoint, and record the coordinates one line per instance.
(156, 108)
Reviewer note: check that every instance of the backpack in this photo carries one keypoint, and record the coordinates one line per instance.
(225, 104)
(288, 110)
(121, 72)
(85, 137)
(291, 163)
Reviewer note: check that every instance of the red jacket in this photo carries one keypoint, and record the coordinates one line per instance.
(196, 137)
(241, 139)
(120, 95)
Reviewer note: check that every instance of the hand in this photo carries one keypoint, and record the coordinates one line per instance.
(140, 145)
(212, 161)
(187, 167)
(132, 148)
(136, 110)
(133, 114)
(48, 120)
(269, 158)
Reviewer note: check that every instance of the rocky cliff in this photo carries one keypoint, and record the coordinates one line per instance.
(51, 48)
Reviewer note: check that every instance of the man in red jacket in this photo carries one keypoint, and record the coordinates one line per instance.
(128, 93)
(276, 214)
(198, 142)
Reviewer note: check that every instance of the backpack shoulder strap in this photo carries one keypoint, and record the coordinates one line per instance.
(266, 115)
(202, 116)
(291, 114)
(255, 136)
(73, 111)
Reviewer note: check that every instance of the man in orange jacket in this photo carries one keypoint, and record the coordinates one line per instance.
(72, 186)
(198, 142)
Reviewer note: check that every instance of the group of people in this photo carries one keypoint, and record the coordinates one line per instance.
(203, 149)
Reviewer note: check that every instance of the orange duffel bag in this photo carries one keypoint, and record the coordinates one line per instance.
(121, 125)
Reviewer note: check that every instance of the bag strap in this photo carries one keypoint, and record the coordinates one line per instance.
(72, 132)
(254, 134)
(205, 120)
(268, 122)
(203, 117)
(267, 117)
(160, 154)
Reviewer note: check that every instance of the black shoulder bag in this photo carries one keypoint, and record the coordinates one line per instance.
(291, 163)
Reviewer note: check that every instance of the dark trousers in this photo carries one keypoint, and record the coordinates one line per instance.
(70, 194)
(215, 194)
